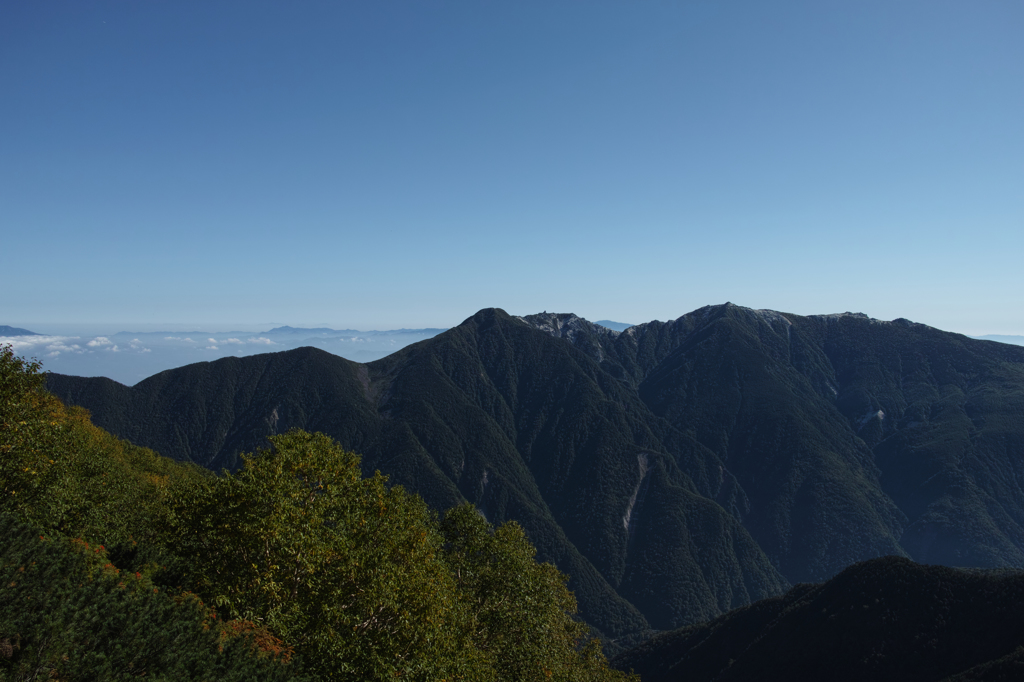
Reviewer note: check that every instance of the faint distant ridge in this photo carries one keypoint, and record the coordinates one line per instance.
(310, 330)
(614, 326)
(1002, 338)
(327, 330)
(15, 331)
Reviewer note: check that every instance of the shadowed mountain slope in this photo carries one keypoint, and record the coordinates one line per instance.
(884, 619)
(675, 470)
(849, 437)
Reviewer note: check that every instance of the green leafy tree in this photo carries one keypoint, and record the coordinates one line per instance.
(59, 470)
(343, 568)
(28, 420)
(522, 612)
(67, 613)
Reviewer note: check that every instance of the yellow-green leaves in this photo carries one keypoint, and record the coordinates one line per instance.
(366, 584)
(60, 471)
(520, 612)
(342, 567)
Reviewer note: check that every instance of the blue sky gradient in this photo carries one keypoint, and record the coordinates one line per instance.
(375, 165)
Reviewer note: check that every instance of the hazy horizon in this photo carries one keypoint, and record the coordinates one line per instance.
(130, 355)
(97, 328)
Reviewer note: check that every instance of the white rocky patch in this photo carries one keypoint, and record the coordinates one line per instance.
(872, 414)
(642, 461)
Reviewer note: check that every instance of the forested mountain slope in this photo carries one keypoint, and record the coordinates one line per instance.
(675, 470)
(849, 434)
(118, 563)
(887, 619)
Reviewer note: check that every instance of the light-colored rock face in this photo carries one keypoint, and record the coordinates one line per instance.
(772, 317)
(871, 415)
(565, 325)
(838, 316)
(581, 333)
(629, 519)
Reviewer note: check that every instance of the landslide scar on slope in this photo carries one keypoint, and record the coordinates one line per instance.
(629, 519)
(372, 390)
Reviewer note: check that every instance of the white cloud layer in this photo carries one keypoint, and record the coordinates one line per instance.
(26, 345)
(262, 340)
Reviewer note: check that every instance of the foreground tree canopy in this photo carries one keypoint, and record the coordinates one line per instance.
(121, 563)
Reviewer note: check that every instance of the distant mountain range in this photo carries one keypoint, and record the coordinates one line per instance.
(1002, 338)
(676, 470)
(130, 356)
(15, 331)
(616, 326)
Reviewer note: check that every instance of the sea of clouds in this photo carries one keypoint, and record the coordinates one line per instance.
(129, 357)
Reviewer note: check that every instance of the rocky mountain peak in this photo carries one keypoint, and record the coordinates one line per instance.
(566, 325)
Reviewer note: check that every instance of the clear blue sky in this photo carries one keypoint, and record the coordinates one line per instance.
(387, 164)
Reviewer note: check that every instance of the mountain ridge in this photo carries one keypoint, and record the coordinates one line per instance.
(675, 469)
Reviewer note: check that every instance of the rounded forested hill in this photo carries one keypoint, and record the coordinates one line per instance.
(887, 619)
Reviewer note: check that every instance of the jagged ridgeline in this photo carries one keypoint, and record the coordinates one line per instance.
(674, 470)
(119, 563)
